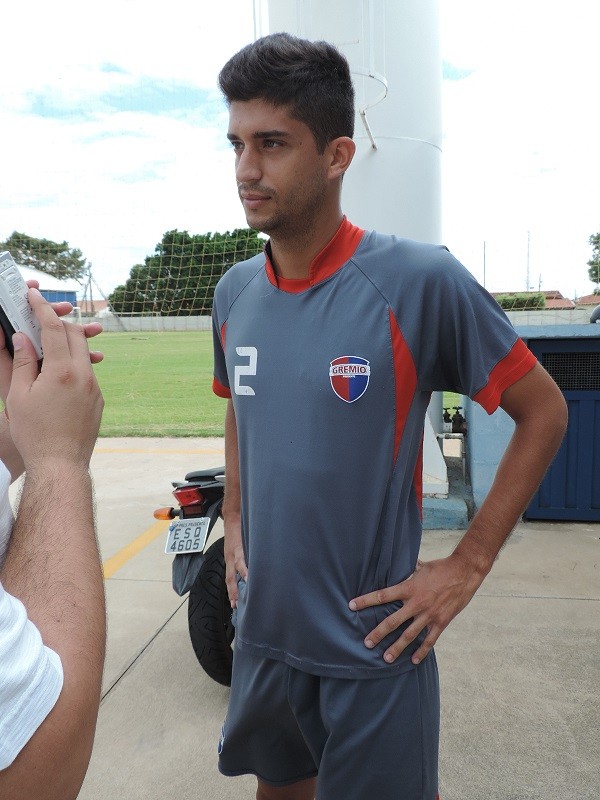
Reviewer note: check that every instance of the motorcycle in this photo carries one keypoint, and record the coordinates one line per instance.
(200, 570)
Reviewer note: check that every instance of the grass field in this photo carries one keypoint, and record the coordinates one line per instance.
(158, 384)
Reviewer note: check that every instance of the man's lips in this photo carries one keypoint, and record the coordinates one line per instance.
(252, 199)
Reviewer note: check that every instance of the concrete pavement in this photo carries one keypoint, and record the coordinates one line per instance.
(520, 667)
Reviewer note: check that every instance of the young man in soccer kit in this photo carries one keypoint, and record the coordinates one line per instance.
(328, 347)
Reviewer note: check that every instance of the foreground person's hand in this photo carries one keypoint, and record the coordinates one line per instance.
(53, 413)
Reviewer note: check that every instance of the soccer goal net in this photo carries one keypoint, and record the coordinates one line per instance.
(173, 289)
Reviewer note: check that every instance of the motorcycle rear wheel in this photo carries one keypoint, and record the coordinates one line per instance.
(209, 617)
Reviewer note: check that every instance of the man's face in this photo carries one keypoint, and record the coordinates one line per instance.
(282, 179)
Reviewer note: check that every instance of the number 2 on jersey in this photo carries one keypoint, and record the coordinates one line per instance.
(251, 353)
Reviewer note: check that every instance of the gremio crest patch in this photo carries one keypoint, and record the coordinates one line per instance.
(349, 376)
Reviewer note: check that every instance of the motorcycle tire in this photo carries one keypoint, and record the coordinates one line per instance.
(209, 617)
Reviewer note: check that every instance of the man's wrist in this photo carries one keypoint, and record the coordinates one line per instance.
(475, 554)
(56, 466)
(231, 515)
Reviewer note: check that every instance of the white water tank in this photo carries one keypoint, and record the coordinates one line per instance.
(394, 183)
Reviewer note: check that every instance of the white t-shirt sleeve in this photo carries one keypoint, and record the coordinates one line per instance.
(31, 675)
(6, 513)
(32, 678)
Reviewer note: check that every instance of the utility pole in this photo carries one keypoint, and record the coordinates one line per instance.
(484, 263)
(527, 286)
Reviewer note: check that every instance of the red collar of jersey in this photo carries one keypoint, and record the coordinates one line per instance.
(334, 255)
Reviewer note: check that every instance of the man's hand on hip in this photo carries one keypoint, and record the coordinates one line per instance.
(435, 593)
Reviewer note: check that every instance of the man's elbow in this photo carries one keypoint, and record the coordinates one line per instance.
(39, 779)
(54, 762)
(556, 413)
(548, 423)
(539, 410)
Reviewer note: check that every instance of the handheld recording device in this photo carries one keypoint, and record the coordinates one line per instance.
(15, 312)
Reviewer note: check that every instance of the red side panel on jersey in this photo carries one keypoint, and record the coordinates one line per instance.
(514, 366)
(406, 380)
(220, 390)
(217, 386)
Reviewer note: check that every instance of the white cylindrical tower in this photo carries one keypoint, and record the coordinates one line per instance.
(394, 182)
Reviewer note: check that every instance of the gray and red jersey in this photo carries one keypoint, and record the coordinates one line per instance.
(330, 379)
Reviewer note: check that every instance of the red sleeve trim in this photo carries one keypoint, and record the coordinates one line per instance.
(217, 387)
(220, 390)
(512, 368)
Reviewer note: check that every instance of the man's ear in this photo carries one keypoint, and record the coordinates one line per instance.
(341, 152)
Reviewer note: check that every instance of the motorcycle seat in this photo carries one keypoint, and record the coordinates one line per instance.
(206, 474)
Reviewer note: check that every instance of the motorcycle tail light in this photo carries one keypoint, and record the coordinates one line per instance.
(189, 496)
(165, 513)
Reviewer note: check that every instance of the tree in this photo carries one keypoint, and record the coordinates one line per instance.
(594, 262)
(55, 258)
(180, 278)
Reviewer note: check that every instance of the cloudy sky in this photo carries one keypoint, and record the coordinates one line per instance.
(113, 131)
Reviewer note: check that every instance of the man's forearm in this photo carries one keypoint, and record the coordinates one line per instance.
(235, 561)
(53, 564)
(232, 500)
(534, 444)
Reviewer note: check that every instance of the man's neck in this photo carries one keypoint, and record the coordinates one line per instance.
(292, 257)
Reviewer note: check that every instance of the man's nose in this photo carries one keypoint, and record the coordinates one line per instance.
(247, 167)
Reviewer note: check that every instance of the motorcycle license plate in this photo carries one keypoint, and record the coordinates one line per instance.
(187, 535)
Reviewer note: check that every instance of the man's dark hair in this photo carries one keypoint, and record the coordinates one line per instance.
(311, 78)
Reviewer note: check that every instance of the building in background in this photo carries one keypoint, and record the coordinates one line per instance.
(53, 289)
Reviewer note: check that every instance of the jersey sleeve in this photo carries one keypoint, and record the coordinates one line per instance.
(220, 380)
(228, 289)
(32, 678)
(467, 342)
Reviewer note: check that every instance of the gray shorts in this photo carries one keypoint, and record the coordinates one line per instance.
(371, 738)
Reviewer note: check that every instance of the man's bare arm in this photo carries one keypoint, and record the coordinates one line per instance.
(439, 590)
(539, 410)
(52, 564)
(234, 551)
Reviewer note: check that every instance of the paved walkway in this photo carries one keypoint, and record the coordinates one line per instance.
(520, 667)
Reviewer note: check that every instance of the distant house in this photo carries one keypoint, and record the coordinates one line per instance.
(91, 307)
(588, 301)
(53, 289)
(554, 298)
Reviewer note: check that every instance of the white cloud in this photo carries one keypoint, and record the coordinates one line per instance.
(62, 43)
(520, 132)
(520, 158)
(108, 181)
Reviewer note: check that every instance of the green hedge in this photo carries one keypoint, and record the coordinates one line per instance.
(512, 302)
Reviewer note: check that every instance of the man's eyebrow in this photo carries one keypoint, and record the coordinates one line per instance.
(273, 134)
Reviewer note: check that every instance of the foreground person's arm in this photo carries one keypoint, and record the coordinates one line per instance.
(52, 564)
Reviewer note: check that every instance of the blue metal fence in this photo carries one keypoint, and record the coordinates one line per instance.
(571, 488)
